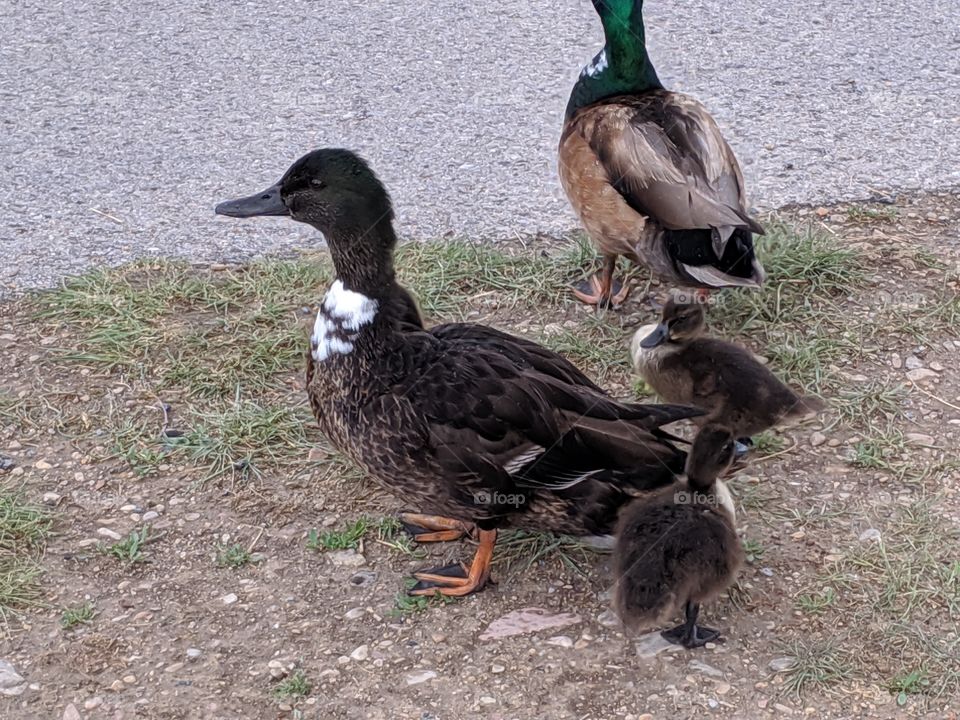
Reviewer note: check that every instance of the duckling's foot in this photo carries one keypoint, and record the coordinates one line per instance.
(694, 637)
(743, 446)
(435, 528)
(689, 634)
(457, 580)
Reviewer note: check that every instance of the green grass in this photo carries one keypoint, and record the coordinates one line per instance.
(346, 539)
(232, 556)
(249, 355)
(902, 592)
(909, 683)
(817, 602)
(519, 550)
(880, 451)
(768, 443)
(753, 549)
(23, 526)
(448, 277)
(818, 665)
(294, 687)
(139, 445)
(597, 343)
(24, 529)
(806, 269)
(390, 533)
(794, 319)
(869, 402)
(77, 615)
(864, 214)
(244, 437)
(406, 604)
(130, 549)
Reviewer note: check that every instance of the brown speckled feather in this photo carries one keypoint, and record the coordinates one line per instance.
(463, 428)
(635, 166)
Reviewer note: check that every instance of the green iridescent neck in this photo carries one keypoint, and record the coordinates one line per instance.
(623, 66)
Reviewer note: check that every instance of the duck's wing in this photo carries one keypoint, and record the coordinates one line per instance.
(524, 353)
(493, 426)
(666, 156)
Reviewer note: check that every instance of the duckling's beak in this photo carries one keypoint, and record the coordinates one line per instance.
(267, 202)
(659, 336)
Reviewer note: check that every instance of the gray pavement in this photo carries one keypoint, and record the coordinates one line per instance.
(122, 123)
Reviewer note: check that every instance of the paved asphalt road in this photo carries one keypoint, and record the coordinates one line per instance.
(122, 123)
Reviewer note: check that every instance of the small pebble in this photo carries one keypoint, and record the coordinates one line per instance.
(108, 533)
(150, 515)
(70, 712)
(416, 678)
(702, 667)
(193, 653)
(817, 439)
(347, 558)
(93, 703)
(361, 653)
(564, 641)
(354, 613)
(229, 599)
(130, 679)
(782, 664)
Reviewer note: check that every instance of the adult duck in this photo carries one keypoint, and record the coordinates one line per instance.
(649, 174)
(478, 428)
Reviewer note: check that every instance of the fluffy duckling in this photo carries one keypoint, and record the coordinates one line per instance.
(683, 366)
(679, 548)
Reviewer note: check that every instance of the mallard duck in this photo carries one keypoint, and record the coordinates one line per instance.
(481, 429)
(726, 380)
(678, 547)
(649, 173)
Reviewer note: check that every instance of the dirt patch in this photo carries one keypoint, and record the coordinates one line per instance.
(237, 569)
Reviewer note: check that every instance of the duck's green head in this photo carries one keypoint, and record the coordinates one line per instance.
(622, 66)
(336, 192)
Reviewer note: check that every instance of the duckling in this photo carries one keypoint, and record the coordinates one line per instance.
(649, 173)
(480, 428)
(679, 548)
(724, 379)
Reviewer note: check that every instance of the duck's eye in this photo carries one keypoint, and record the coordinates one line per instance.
(317, 183)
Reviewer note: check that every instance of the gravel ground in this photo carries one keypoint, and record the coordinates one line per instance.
(123, 123)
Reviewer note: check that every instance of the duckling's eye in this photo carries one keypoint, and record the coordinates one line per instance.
(318, 183)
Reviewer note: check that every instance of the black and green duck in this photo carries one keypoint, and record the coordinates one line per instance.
(480, 429)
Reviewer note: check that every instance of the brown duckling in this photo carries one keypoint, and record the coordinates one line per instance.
(679, 548)
(725, 380)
